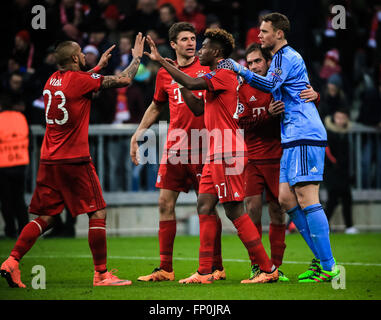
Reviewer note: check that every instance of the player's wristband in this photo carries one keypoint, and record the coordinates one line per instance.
(96, 69)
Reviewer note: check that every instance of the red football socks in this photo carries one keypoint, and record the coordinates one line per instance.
(167, 233)
(249, 236)
(217, 257)
(259, 228)
(208, 231)
(98, 243)
(277, 233)
(28, 237)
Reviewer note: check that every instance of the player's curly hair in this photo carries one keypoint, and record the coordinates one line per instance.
(223, 38)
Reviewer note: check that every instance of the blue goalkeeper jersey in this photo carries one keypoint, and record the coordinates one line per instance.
(285, 79)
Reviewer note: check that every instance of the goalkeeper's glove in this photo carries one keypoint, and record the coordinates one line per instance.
(238, 68)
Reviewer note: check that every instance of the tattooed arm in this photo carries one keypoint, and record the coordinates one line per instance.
(124, 78)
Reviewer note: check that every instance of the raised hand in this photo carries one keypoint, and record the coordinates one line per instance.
(137, 50)
(103, 61)
(154, 55)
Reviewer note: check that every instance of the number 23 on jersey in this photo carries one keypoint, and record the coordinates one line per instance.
(60, 106)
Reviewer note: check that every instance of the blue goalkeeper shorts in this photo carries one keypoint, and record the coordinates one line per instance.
(302, 164)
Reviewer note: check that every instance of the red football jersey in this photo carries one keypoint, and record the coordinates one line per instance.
(67, 99)
(262, 132)
(221, 106)
(181, 117)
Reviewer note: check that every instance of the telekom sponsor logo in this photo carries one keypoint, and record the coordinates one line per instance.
(200, 146)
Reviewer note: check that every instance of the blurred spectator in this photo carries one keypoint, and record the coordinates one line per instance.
(112, 18)
(91, 55)
(35, 112)
(370, 115)
(129, 102)
(375, 27)
(331, 64)
(16, 92)
(177, 4)
(98, 38)
(374, 41)
(70, 18)
(145, 18)
(124, 55)
(193, 14)
(337, 177)
(14, 159)
(167, 17)
(23, 51)
(15, 85)
(253, 32)
(162, 47)
(333, 97)
(212, 21)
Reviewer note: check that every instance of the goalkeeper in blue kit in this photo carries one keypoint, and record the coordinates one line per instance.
(303, 138)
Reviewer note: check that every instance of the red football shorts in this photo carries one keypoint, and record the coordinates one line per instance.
(260, 177)
(179, 177)
(74, 186)
(223, 180)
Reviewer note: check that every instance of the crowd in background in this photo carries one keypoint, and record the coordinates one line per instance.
(344, 64)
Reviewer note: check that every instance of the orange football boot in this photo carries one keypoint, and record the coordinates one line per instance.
(263, 277)
(158, 275)
(11, 272)
(198, 278)
(109, 279)
(219, 274)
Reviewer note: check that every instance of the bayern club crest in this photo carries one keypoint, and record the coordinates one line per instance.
(95, 75)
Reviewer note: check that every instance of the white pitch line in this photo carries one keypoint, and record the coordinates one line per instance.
(361, 264)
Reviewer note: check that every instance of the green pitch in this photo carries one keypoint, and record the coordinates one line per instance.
(69, 270)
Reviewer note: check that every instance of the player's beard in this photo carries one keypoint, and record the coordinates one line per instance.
(82, 66)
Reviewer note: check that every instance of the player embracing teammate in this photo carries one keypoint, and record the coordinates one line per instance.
(303, 139)
(222, 174)
(260, 118)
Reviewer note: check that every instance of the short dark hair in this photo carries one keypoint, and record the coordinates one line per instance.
(279, 22)
(64, 52)
(178, 27)
(343, 110)
(257, 47)
(223, 38)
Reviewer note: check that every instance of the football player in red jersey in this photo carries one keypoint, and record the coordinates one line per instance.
(66, 175)
(259, 117)
(222, 175)
(173, 177)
